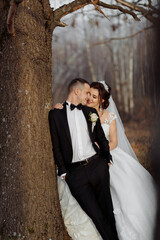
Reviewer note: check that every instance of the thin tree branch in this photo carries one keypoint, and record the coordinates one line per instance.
(98, 8)
(137, 2)
(116, 7)
(151, 7)
(123, 38)
(150, 2)
(146, 13)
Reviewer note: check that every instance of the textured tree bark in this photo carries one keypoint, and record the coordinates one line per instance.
(29, 204)
(11, 16)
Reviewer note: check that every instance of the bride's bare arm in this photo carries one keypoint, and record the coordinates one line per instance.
(113, 135)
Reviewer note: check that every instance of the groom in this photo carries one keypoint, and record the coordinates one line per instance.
(74, 131)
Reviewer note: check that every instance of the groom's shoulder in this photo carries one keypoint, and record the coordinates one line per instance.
(54, 112)
(89, 109)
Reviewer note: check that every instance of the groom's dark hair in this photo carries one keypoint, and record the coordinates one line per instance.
(77, 82)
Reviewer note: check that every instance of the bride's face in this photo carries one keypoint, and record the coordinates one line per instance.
(93, 100)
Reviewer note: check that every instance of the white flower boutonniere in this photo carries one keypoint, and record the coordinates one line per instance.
(93, 118)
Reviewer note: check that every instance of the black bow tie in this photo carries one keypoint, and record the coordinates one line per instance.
(79, 106)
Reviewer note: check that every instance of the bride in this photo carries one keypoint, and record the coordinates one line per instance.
(132, 187)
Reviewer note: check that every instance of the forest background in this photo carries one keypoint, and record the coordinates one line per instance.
(118, 50)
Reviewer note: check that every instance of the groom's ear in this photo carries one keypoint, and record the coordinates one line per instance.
(76, 91)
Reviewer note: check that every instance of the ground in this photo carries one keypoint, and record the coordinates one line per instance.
(141, 138)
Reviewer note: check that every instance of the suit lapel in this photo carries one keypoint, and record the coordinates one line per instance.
(89, 123)
(66, 126)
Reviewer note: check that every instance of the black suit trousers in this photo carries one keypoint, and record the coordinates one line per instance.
(90, 186)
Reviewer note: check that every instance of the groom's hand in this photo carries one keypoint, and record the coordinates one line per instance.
(109, 164)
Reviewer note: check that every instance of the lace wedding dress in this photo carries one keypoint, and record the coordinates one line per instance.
(133, 195)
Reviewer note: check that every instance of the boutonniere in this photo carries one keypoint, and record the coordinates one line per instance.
(93, 118)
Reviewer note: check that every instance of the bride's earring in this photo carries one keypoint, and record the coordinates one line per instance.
(100, 108)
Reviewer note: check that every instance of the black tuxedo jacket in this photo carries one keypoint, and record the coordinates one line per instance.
(61, 139)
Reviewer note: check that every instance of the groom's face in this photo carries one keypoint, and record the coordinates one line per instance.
(84, 94)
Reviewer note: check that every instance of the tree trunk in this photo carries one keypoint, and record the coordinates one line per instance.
(115, 70)
(89, 57)
(123, 80)
(130, 78)
(29, 204)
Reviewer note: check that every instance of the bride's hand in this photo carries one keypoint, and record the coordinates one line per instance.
(96, 144)
(64, 177)
(58, 106)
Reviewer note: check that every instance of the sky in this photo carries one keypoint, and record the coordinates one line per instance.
(58, 3)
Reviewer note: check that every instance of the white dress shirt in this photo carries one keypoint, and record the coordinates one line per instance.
(81, 142)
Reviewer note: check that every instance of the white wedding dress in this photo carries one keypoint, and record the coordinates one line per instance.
(133, 195)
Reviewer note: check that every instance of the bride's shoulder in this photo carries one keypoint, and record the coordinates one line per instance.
(109, 116)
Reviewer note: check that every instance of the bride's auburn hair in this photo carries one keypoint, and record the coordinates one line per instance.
(104, 95)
